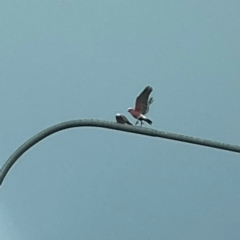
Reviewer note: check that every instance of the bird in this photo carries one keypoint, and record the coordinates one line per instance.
(122, 119)
(142, 106)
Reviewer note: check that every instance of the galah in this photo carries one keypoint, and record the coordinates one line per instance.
(122, 119)
(142, 106)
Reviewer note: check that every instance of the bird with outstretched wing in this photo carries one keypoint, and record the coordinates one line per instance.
(142, 106)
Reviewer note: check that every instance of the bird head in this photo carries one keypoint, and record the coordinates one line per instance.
(130, 109)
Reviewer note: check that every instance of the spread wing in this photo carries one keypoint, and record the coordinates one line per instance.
(143, 101)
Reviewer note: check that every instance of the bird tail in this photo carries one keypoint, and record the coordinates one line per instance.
(147, 120)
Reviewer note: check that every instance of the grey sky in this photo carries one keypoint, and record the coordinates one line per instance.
(63, 60)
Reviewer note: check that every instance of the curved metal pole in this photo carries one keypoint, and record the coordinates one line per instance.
(111, 125)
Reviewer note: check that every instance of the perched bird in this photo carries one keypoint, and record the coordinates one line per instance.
(122, 119)
(142, 106)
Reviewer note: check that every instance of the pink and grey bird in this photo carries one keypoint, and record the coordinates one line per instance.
(142, 106)
(122, 119)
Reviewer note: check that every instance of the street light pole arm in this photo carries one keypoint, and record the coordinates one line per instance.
(110, 125)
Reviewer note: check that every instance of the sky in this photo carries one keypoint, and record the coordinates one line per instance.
(64, 60)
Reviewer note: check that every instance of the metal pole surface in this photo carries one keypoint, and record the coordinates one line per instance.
(110, 125)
